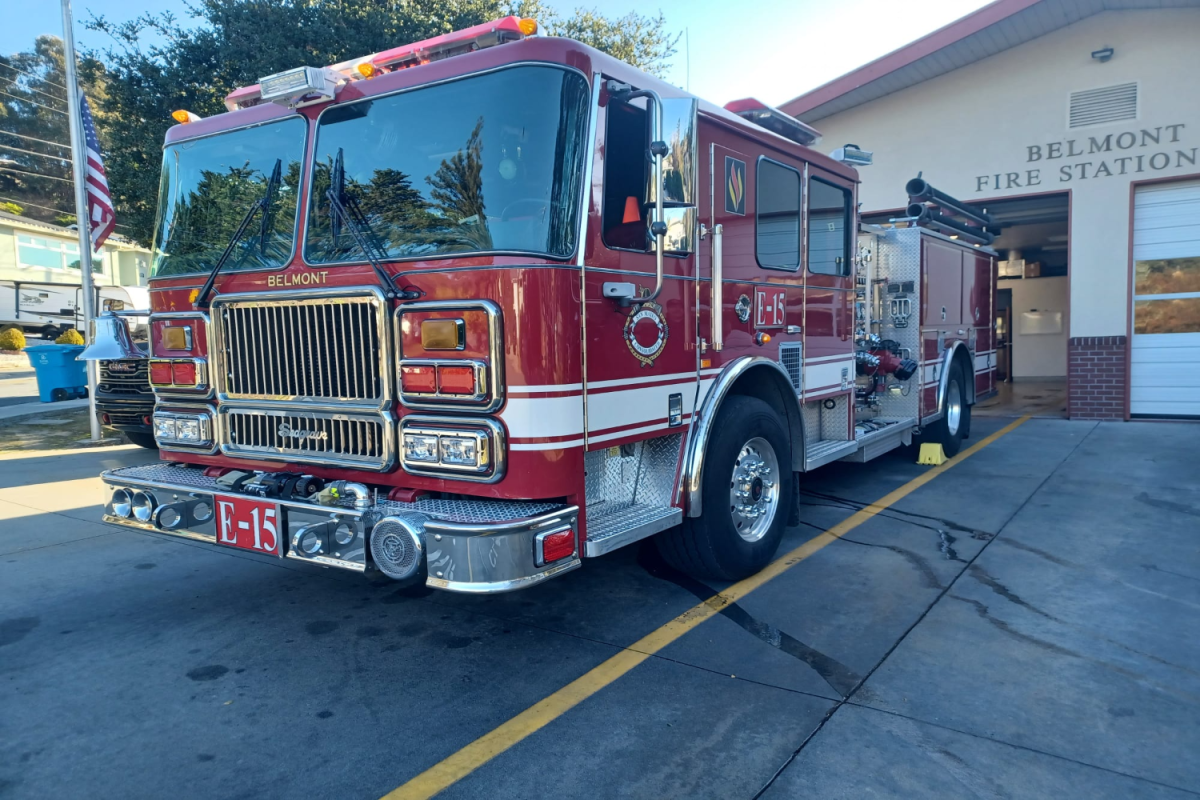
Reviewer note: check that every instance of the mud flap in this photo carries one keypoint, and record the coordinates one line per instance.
(794, 512)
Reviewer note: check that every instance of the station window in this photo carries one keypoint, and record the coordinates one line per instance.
(777, 214)
(625, 177)
(828, 228)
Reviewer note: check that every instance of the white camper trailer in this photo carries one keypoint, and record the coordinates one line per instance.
(49, 309)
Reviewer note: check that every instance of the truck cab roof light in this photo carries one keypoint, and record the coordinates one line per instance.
(506, 29)
(774, 120)
(183, 116)
(477, 37)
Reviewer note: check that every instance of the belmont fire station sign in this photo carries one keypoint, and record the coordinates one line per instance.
(1129, 152)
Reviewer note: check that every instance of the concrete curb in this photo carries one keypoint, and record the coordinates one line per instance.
(27, 409)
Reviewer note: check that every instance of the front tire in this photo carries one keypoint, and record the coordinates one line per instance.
(746, 493)
(141, 439)
(951, 429)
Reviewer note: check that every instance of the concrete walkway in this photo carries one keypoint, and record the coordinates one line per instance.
(1022, 625)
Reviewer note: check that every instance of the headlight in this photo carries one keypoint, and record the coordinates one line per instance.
(420, 448)
(176, 427)
(164, 429)
(187, 430)
(470, 450)
(460, 451)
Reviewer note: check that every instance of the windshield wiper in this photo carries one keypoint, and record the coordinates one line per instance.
(344, 209)
(262, 204)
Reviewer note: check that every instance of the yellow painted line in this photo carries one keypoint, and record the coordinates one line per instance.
(470, 758)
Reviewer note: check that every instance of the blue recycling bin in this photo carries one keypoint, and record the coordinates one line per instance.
(59, 375)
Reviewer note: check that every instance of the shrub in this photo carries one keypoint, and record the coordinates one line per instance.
(12, 339)
(72, 336)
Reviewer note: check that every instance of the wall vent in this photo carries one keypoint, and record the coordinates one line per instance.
(1106, 104)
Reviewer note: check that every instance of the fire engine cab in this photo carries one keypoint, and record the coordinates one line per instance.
(475, 309)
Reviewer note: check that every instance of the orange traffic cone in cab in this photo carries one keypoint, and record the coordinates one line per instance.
(632, 212)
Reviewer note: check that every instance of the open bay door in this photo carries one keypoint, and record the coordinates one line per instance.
(1165, 352)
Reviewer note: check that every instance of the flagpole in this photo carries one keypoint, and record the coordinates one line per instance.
(79, 171)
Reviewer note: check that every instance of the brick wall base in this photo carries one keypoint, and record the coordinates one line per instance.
(1096, 377)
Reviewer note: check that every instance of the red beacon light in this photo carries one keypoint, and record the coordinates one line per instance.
(774, 120)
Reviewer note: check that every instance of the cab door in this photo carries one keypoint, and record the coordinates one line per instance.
(640, 350)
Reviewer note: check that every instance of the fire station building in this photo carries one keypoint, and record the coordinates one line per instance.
(1076, 125)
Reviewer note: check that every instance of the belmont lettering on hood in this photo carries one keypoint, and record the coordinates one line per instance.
(298, 279)
(1106, 158)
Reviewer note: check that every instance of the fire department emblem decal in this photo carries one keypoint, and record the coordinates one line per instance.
(646, 333)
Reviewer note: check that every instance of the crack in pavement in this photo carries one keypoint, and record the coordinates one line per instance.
(840, 678)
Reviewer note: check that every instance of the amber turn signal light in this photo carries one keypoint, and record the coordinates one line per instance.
(443, 334)
(177, 337)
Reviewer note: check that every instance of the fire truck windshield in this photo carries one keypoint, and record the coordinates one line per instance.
(490, 163)
(208, 184)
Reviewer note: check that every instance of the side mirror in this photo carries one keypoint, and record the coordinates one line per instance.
(679, 232)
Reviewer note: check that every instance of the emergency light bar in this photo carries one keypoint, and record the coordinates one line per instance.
(507, 29)
(774, 120)
(305, 85)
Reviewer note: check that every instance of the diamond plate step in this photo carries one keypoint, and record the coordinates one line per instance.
(607, 532)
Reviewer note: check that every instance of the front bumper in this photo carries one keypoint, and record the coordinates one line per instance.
(125, 413)
(470, 545)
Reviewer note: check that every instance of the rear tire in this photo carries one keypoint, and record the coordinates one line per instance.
(950, 430)
(746, 494)
(141, 439)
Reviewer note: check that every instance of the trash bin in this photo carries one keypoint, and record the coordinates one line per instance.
(59, 375)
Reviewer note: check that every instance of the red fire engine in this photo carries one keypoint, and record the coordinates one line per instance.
(472, 310)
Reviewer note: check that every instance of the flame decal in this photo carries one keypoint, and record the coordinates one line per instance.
(736, 188)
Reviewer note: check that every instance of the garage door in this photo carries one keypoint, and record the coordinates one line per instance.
(1165, 374)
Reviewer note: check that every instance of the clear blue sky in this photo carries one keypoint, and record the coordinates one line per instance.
(770, 49)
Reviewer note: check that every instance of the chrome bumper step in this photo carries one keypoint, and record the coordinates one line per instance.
(477, 546)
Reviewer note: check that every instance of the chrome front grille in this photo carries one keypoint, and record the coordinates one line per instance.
(114, 379)
(319, 346)
(364, 441)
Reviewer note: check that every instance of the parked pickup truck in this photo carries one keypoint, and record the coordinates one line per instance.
(125, 400)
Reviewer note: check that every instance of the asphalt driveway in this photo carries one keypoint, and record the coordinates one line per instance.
(1022, 625)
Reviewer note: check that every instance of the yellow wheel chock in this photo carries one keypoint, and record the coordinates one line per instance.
(932, 454)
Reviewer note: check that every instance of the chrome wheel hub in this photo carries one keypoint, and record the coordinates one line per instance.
(754, 489)
(954, 407)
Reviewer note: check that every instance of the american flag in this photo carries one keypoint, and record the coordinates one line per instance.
(100, 204)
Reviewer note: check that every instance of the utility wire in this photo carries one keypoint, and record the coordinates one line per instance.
(33, 102)
(48, 208)
(35, 175)
(53, 97)
(32, 139)
(32, 75)
(32, 153)
(35, 205)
